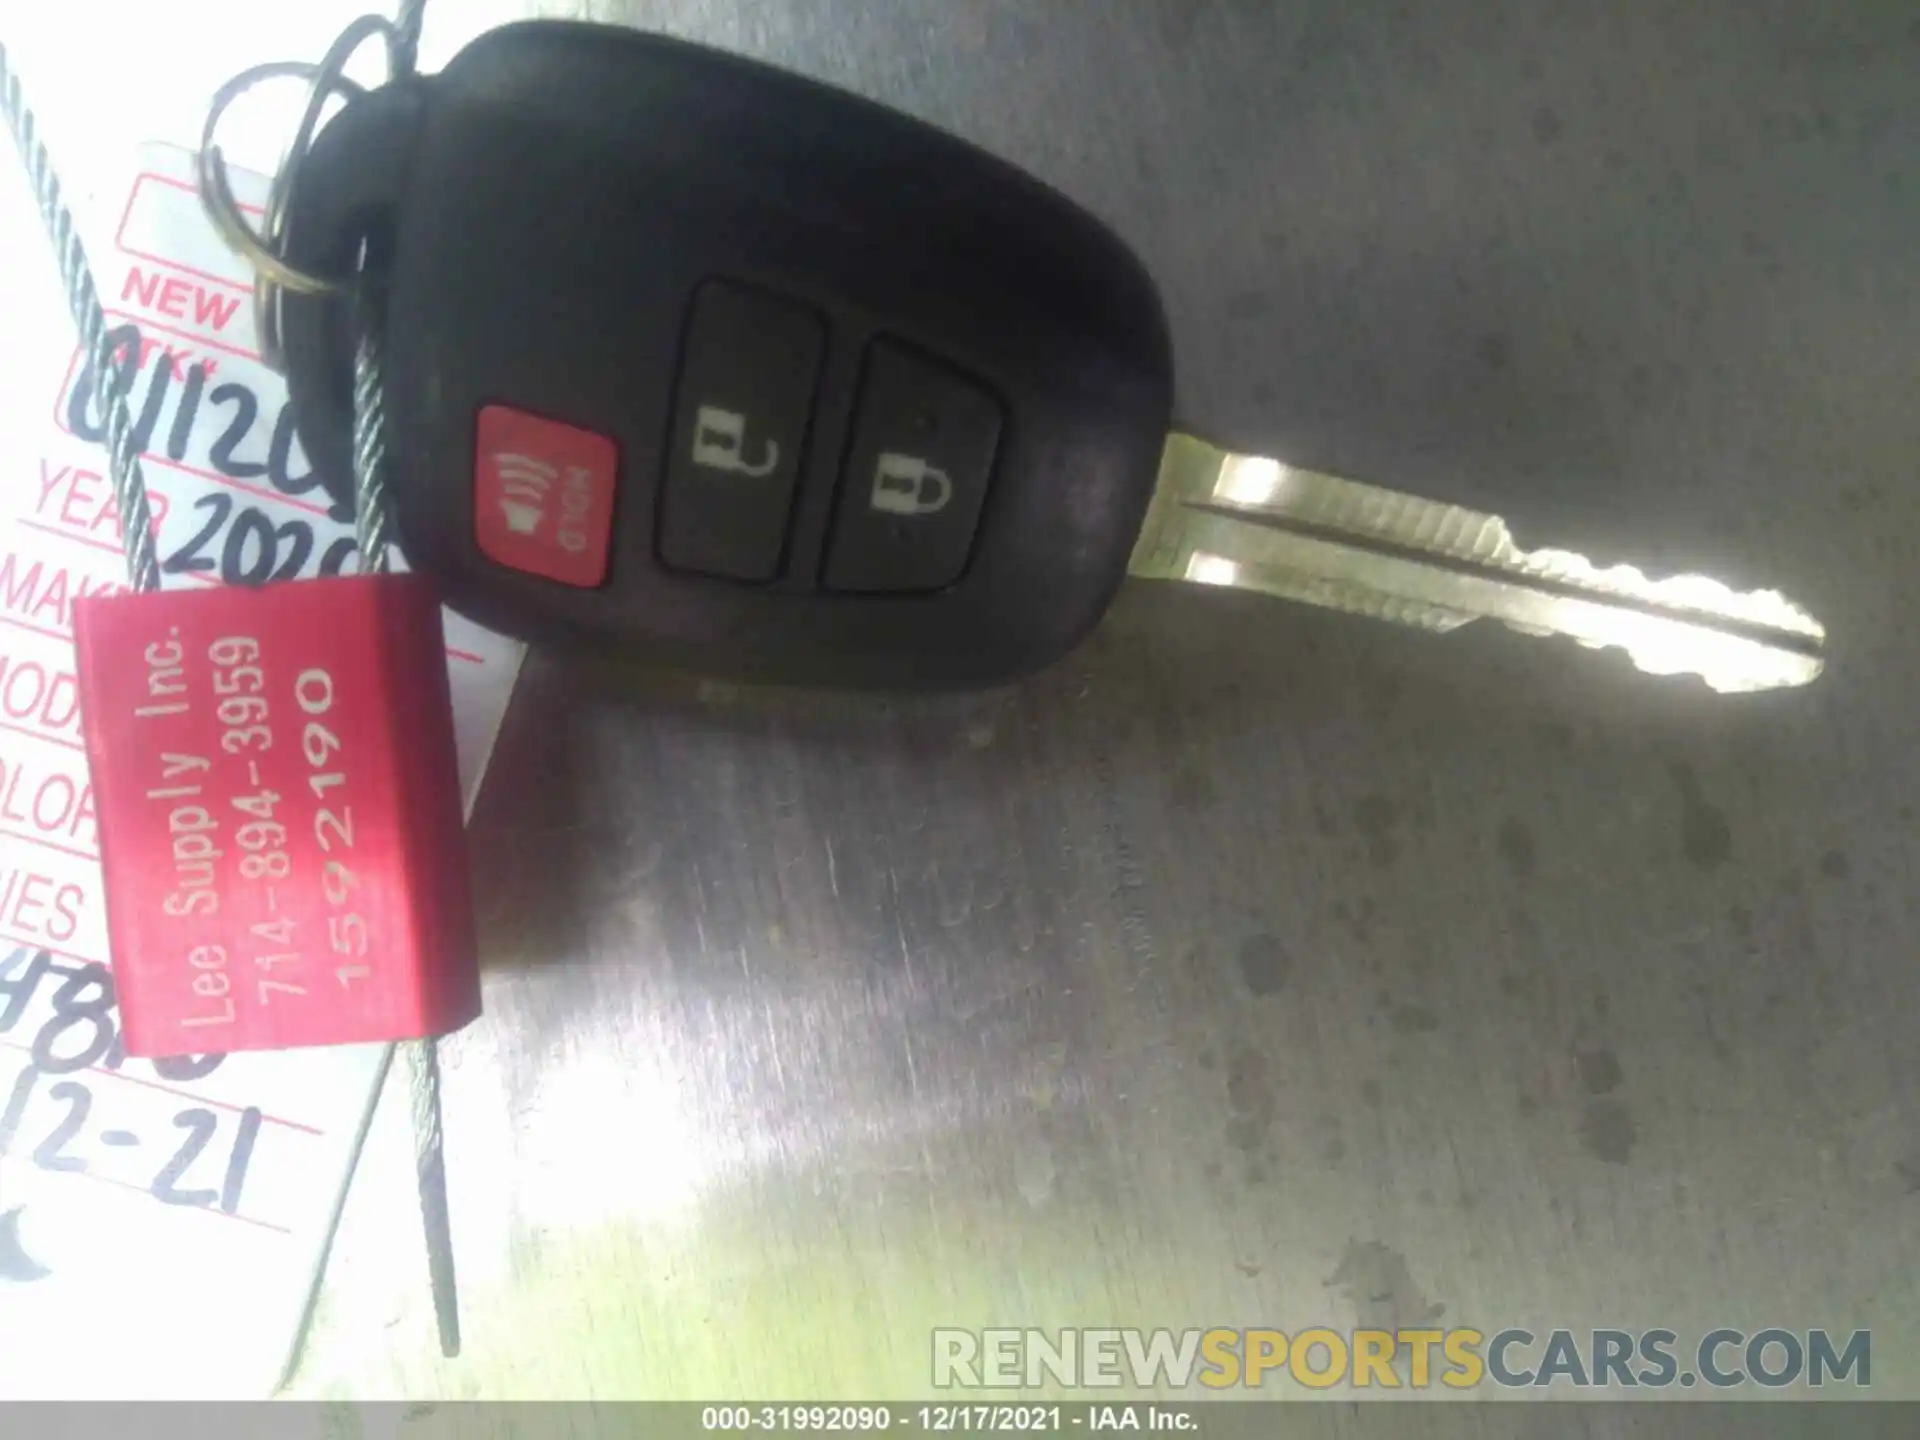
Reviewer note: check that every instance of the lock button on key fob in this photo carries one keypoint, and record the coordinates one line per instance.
(924, 439)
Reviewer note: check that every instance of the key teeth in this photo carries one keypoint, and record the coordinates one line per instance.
(1308, 536)
(1722, 676)
(1368, 512)
(1438, 528)
(1698, 594)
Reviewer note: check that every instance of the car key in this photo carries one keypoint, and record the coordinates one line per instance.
(737, 373)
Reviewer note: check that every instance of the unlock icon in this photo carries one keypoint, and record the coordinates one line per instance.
(720, 442)
(908, 485)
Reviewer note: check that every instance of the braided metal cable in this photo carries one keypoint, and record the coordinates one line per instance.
(372, 527)
(372, 520)
(430, 1176)
(83, 298)
(370, 513)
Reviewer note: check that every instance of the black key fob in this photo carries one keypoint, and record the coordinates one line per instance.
(729, 370)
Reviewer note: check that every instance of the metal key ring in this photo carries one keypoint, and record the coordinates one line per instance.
(261, 248)
(216, 193)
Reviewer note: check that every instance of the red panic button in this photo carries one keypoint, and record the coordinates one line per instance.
(543, 496)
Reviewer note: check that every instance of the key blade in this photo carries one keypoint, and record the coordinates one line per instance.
(1251, 523)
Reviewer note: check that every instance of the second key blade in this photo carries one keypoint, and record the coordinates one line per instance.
(1251, 523)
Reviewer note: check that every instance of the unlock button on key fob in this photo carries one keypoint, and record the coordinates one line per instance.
(741, 409)
(916, 476)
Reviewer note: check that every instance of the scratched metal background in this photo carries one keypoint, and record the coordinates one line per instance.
(1259, 965)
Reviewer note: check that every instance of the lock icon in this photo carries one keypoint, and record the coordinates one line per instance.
(901, 486)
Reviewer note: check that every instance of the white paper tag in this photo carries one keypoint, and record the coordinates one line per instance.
(161, 1224)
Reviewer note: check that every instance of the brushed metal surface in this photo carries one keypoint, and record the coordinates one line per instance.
(1256, 965)
(1260, 965)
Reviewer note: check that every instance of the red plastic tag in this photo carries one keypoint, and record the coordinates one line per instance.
(280, 819)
